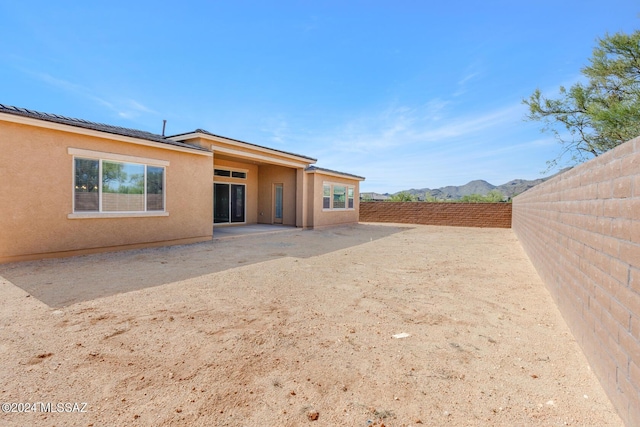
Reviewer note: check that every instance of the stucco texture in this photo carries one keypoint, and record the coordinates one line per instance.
(36, 196)
(269, 175)
(319, 217)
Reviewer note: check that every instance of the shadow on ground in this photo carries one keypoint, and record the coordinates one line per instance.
(62, 282)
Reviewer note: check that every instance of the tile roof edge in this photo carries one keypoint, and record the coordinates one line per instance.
(319, 169)
(98, 127)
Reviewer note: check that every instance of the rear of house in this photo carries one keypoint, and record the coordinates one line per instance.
(253, 184)
(72, 187)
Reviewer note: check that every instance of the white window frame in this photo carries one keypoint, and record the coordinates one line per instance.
(120, 158)
(331, 185)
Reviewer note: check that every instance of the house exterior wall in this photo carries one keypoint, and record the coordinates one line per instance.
(36, 197)
(251, 212)
(319, 217)
(268, 176)
(581, 231)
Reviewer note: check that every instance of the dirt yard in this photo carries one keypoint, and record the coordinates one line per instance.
(295, 328)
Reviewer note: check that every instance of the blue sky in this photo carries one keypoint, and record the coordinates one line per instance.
(409, 94)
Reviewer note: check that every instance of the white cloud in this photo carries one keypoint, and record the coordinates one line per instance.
(276, 129)
(462, 87)
(399, 127)
(429, 146)
(468, 77)
(125, 108)
(135, 105)
(435, 109)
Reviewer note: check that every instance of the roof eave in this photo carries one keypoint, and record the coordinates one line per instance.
(236, 142)
(315, 169)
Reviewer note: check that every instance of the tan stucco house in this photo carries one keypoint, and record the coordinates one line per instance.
(70, 187)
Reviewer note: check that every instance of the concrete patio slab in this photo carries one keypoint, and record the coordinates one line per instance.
(222, 232)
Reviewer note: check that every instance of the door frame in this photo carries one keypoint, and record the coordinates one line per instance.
(244, 203)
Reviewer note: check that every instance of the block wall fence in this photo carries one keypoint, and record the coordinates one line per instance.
(496, 215)
(581, 231)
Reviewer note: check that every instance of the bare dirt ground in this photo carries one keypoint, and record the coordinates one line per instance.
(295, 328)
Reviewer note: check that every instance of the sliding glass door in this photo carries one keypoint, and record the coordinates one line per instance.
(237, 203)
(228, 203)
(220, 203)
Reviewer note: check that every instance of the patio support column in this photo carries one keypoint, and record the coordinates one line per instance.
(301, 198)
(213, 166)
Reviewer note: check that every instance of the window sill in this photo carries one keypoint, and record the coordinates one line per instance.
(88, 215)
(338, 209)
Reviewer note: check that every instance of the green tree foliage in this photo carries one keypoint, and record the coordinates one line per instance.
(402, 197)
(86, 175)
(593, 117)
(122, 178)
(154, 180)
(492, 196)
(495, 196)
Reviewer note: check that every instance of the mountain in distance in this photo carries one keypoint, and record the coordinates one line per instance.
(452, 192)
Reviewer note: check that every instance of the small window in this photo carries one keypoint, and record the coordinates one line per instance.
(326, 197)
(337, 196)
(87, 196)
(155, 188)
(230, 173)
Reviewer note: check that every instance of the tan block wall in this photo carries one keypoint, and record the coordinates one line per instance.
(120, 202)
(268, 175)
(317, 217)
(495, 215)
(581, 231)
(36, 195)
(251, 211)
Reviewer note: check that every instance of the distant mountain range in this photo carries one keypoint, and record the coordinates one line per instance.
(452, 192)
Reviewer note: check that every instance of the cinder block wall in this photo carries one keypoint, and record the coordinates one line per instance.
(496, 215)
(581, 231)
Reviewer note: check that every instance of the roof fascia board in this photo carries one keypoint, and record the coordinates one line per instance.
(339, 175)
(305, 160)
(262, 158)
(95, 133)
